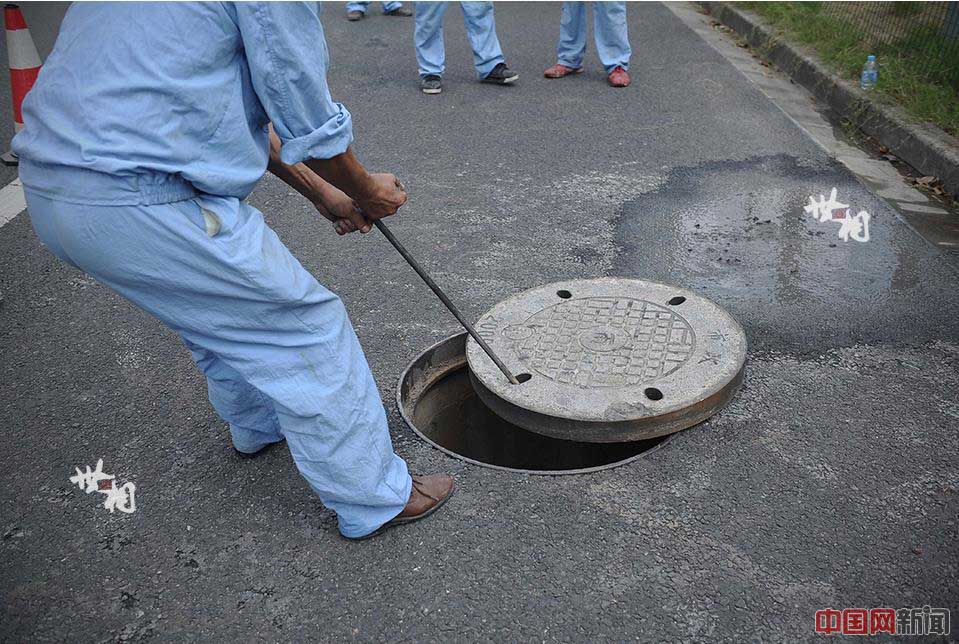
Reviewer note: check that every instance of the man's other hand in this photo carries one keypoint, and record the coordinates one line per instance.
(337, 206)
(383, 196)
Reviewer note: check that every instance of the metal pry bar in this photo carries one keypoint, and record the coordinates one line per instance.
(440, 294)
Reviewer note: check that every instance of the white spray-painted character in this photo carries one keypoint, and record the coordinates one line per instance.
(822, 210)
(118, 498)
(121, 498)
(856, 227)
(831, 209)
(89, 481)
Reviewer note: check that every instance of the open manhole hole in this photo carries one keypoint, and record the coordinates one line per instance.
(437, 400)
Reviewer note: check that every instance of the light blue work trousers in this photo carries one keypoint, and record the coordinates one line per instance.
(277, 348)
(480, 29)
(609, 31)
(362, 6)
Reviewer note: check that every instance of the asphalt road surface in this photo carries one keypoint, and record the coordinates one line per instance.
(831, 480)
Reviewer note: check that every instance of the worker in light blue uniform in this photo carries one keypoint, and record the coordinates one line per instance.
(480, 23)
(609, 32)
(147, 128)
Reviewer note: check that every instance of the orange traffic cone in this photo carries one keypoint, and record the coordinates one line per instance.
(24, 66)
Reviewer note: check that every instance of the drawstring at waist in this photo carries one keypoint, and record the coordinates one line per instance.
(83, 186)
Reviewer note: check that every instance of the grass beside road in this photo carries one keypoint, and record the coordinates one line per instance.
(926, 87)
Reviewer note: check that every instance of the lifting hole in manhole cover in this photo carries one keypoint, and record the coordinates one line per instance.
(437, 400)
(564, 294)
(676, 301)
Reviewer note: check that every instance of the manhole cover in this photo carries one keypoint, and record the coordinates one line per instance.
(608, 360)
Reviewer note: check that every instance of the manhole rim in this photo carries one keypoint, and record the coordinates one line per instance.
(454, 365)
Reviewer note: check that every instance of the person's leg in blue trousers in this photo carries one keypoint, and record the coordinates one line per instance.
(572, 35)
(428, 38)
(363, 6)
(278, 349)
(250, 414)
(609, 31)
(481, 31)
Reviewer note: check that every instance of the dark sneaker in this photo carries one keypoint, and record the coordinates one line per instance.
(501, 75)
(431, 84)
(353, 16)
(400, 11)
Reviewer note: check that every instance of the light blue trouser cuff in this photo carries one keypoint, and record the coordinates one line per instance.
(396, 477)
(362, 6)
(247, 444)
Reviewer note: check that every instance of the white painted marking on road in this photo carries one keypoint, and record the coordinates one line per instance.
(12, 201)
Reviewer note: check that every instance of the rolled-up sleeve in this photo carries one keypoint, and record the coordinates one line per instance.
(286, 50)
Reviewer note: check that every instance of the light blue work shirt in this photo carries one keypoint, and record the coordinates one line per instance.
(196, 108)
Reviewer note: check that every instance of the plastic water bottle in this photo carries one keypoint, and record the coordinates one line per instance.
(870, 74)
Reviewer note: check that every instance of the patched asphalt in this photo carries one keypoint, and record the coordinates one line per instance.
(831, 480)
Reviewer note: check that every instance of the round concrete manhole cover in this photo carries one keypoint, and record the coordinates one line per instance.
(608, 360)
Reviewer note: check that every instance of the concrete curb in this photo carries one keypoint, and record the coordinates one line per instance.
(925, 147)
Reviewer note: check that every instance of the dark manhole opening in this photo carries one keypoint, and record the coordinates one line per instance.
(437, 399)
